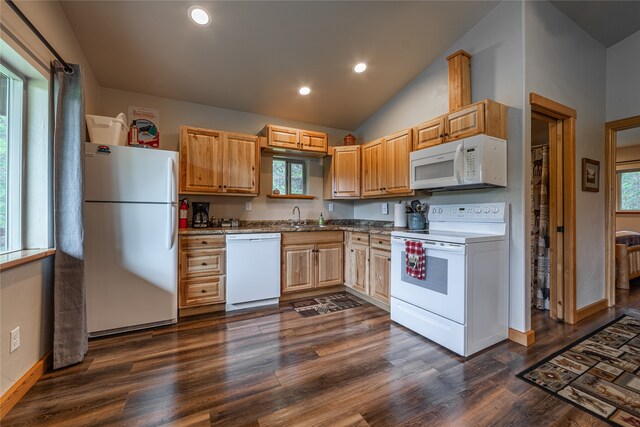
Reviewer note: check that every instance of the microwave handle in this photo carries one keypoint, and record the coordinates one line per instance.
(458, 164)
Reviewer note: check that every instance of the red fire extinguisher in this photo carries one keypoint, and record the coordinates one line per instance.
(183, 213)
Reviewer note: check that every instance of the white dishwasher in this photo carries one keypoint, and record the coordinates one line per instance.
(253, 270)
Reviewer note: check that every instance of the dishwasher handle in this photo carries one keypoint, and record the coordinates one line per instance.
(253, 237)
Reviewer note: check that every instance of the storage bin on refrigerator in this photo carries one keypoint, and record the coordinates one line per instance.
(108, 130)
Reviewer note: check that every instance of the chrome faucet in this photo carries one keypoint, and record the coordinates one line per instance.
(294, 211)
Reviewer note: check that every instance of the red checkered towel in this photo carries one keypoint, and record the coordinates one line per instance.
(415, 259)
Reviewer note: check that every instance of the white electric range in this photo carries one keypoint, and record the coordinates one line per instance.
(463, 301)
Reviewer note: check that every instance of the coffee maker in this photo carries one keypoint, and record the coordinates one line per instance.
(200, 214)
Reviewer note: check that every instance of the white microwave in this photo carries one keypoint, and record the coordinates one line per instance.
(476, 162)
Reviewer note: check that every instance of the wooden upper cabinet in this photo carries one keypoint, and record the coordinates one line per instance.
(215, 162)
(201, 155)
(487, 116)
(313, 141)
(279, 136)
(345, 172)
(397, 149)
(372, 168)
(285, 138)
(465, 122)
(241, 163)
(429, 133)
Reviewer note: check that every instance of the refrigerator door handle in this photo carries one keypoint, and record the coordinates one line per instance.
(171, 181)
(171, 226)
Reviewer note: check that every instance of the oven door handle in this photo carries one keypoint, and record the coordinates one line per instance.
(431, 246)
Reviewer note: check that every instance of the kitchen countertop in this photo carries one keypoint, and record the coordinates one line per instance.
(364, 226)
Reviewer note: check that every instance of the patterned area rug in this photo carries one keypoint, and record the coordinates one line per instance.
(324, 305)
(599, 373)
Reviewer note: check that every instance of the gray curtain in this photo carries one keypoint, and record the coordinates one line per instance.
(540, 269)
(70, 340)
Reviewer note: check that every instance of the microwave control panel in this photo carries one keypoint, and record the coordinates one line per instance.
(470, 163)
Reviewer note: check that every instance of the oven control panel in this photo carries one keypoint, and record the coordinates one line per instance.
(472, 212)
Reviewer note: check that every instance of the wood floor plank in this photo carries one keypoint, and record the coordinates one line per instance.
(275, 367)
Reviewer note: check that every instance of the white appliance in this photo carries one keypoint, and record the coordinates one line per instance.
(253, 270)
(476, 162)
(463, 302)
(130, 226)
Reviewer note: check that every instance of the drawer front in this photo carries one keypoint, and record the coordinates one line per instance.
(200, 263)
(380, 241)
(202, 291)
(202, 241)
(360, 238)
(307, 237)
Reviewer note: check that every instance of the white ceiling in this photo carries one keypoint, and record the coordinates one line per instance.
(255, 55)
(606, 21)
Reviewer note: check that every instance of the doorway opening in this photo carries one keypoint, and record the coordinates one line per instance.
(622, 245)
(553, 285)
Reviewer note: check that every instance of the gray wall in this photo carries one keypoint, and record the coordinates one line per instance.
(25, 301)
(623, 77)
(175, 113)
(565, 64)
(495, 44)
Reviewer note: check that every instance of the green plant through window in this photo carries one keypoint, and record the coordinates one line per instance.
(629, 190)
(289, 176)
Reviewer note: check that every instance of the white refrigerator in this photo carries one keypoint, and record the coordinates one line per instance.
(130, 226)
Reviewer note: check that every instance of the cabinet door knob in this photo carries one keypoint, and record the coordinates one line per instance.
(219, 186)
(204, 291)
(442, 135)
(204, 242)
(204, 263)
(388, 259)
(351, 250)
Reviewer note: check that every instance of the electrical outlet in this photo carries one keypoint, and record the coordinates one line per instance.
(15, 339)
(247, 206)
(331, 208)
(385, 209)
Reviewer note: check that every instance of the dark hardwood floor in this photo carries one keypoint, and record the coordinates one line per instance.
(274, 367)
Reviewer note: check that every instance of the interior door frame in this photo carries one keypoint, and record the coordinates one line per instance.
(611, 197)
(564, 306)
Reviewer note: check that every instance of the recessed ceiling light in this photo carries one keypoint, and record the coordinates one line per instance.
(304, 90)
(199, 16)
(359, 68)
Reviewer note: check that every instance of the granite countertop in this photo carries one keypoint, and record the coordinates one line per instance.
(363, 226)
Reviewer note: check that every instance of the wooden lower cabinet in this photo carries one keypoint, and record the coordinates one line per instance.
(298, 267)
(380, 274)
(311, 260)
(368, 265)
(329, 264)
(203, 291)
(359, 268)
(201, 269)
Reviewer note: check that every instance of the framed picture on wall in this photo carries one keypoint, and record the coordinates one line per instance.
(590, 175)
